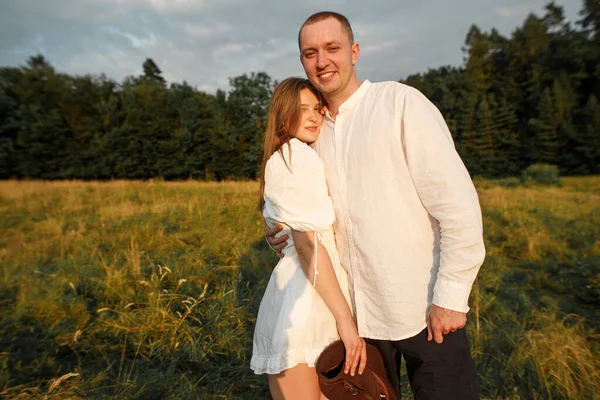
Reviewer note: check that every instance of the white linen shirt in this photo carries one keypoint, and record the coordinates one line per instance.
(408, 222)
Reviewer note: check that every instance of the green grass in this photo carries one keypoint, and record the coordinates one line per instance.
(149, 290)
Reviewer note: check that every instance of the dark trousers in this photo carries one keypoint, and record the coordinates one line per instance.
(435, 371)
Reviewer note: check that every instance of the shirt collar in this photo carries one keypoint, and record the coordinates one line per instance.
(353, 99)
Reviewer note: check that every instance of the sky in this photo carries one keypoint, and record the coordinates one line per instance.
(206, 42)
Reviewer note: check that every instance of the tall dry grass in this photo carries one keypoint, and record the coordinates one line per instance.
(149, 290)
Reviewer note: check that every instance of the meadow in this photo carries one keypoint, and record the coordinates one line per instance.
(149, 290)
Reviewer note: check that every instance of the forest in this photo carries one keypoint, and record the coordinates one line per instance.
(526, 99)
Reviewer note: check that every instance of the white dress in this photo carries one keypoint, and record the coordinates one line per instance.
(294, 325)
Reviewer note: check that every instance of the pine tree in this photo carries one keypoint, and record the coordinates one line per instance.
(152, 73)
(244, 124)
(484, 145)
(468, 137)
(479, 61)
(545, 143)
(586, 154)
(9, 125)
(43, 135)
(508, 156)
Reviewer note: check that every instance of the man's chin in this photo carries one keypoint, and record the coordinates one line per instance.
(326, 88)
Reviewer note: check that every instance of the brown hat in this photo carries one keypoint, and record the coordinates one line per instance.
(372, 384)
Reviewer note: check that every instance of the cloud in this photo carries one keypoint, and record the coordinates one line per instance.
(161, 6)
(232, 49)
(515, 11)
(376, 48)
(138, 41)
(205, 42)
(206, 31)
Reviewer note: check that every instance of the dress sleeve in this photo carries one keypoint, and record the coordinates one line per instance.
(296, 193)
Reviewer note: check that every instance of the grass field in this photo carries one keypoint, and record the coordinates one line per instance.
(149, 290)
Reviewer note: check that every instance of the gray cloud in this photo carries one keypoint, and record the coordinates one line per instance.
(204, 42)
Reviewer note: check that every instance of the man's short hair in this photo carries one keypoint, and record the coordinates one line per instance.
(322, 16)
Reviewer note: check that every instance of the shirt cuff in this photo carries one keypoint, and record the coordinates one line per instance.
(451, 295)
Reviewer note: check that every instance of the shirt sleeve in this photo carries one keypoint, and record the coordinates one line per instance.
(447, 192)
(296, 193)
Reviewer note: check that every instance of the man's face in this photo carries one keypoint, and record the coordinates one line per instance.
(327, 56)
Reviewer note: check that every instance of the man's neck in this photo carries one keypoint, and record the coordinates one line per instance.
(335, 101)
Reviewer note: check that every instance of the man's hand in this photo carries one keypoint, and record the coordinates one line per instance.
(276, 243)
(442, 321)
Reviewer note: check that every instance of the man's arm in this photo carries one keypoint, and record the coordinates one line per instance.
(447, 192)
(276, 243)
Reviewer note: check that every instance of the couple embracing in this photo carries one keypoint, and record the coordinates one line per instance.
(377, 224)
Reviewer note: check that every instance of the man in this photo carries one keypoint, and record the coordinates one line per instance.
(408, 222)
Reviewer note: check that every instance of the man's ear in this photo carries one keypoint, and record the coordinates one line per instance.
(355, 52)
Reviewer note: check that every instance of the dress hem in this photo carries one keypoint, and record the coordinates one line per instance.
(275, 365)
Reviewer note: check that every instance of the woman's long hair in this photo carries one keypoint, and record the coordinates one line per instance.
(283, 120)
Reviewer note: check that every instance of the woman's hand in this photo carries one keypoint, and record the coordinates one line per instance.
(356, 348)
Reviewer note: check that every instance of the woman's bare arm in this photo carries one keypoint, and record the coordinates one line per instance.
(328, 287)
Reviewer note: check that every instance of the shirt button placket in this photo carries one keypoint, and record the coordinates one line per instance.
(340, 143)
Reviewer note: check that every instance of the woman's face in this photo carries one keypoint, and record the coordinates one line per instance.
(311, 118)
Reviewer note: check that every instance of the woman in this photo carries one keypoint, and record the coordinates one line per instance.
(305, 305)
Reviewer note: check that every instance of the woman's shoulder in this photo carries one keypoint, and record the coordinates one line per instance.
(295, 153)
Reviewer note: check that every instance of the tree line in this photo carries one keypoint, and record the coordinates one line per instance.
(531, 98)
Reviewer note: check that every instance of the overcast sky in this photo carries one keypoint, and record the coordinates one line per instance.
(204, 42)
